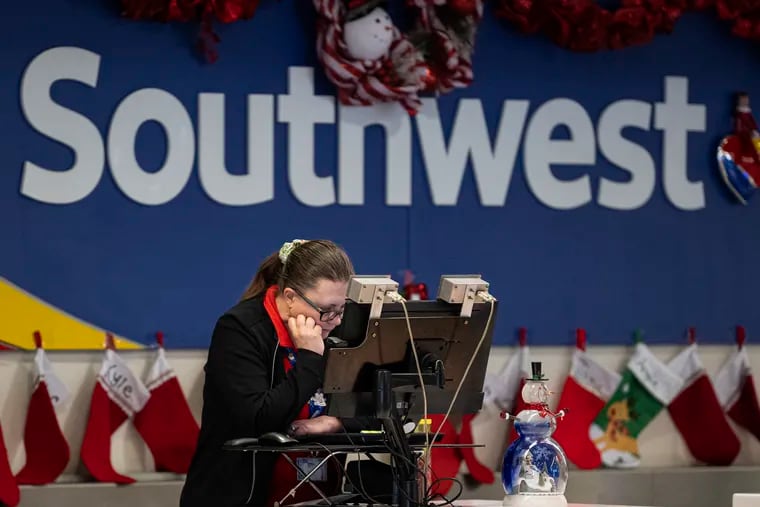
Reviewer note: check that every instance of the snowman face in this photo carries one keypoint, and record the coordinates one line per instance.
(369, 37)
(536, 392)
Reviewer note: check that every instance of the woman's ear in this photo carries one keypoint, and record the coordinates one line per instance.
(289, 295)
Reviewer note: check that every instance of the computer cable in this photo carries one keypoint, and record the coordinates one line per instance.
(492, 302)
(396, 297)
(446, 499)
(362, 490)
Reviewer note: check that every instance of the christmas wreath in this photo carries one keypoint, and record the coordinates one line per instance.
(366, 56)
(370, 60)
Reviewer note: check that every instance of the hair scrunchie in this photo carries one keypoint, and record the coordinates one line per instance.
(288, 247)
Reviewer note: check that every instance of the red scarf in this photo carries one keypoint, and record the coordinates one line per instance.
(284, 477)
(283, 336)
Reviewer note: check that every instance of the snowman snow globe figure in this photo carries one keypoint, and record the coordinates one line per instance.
(534, 471)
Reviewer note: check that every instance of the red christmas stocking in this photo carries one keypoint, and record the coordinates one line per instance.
(587, 389)
(166, 423)
(478, 471)
(47, 452)
(118, 394)
(735, 387)
(444, 462)
(697, 413)
(746, 411)
(488, 428)
(9, 492)
(501, 393)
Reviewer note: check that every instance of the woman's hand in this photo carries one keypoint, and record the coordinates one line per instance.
(306, 334)
(319, 424)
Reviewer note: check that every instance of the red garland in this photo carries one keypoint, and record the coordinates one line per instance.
(745, 15)
(205, 11)
(578, 25)
(583, 25)
(225, 11)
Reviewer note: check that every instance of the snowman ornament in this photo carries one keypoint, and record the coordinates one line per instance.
(368, 30)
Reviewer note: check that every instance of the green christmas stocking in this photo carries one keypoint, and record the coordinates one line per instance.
(646, 387)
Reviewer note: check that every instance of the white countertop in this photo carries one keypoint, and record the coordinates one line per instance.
(498, 503)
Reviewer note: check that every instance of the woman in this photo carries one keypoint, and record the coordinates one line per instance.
(264, 373)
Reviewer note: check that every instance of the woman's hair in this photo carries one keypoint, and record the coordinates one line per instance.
(306, 263)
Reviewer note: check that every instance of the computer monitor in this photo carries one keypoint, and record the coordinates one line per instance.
(445, 342)
(372, 370)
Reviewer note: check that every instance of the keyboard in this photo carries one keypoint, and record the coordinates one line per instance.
(360, 438)
(371, 438)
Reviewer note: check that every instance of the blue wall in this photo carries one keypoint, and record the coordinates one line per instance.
(135, 269)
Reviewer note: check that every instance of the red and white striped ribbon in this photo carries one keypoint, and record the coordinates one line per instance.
(397, 77)
(455, 71)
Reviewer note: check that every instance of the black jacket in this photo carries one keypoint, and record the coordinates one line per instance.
(246, 393)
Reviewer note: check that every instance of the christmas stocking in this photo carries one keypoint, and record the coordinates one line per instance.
(587, 389)
(47, 452)
(479, 472)
(9, 492)
(697, 413)
(501, 391)
(488, 428)
(444, 461)
(118, 395)
(735, 387)
(166, 423)
(647, 385)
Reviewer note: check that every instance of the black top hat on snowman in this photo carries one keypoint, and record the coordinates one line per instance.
(357, 9)
(536, 374)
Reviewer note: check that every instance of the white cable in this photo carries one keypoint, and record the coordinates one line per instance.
(422, 385)
(398, 298)
(487, 297)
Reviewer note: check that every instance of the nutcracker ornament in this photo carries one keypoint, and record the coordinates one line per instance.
(414, 291)
(534, 471)
(739, 153)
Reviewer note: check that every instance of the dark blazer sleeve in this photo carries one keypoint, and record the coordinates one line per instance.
(357, 424)
(240, 364)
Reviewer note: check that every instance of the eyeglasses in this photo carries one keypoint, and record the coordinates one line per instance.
(324, 315)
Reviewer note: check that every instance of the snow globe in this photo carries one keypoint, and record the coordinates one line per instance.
(534, 471)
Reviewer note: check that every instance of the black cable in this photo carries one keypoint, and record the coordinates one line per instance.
(397, 476)
(428, 497)
(362, 490)
(446, 499)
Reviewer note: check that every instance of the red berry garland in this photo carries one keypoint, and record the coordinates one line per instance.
(583, 25)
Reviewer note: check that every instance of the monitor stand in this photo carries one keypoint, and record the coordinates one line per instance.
(408, 490)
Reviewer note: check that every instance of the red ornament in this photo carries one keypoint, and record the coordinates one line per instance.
(429, 79)
(416, 292)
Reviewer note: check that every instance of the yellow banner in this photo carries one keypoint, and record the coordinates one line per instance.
(21, 314)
